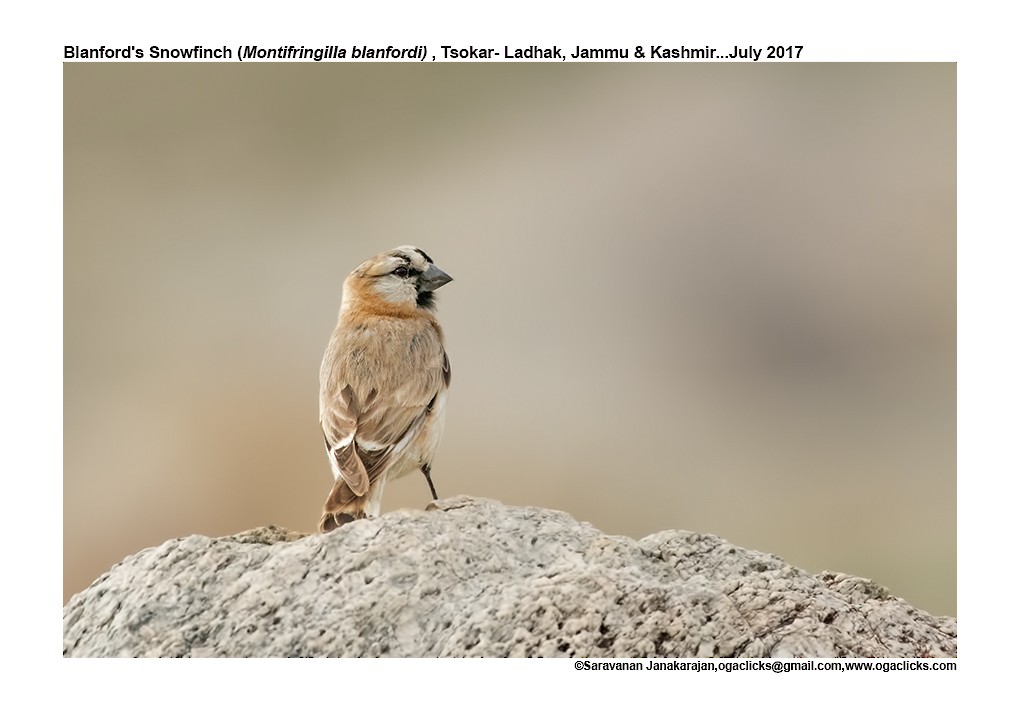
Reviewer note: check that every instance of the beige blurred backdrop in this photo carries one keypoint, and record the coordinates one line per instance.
(711, 297)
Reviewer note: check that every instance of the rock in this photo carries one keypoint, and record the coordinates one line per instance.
(474, 577)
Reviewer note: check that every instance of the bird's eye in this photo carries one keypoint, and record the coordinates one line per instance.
(401, 271)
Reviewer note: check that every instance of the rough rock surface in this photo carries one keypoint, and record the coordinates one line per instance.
(474, 577)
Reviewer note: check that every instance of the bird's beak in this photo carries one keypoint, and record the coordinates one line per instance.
(433, 278)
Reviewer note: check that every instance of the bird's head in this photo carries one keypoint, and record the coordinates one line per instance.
(404, 277)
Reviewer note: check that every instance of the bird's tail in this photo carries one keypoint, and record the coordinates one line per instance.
(342, 506)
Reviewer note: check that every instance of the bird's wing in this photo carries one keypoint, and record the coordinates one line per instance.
(367, 429)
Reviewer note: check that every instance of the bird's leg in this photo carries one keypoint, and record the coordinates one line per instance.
(425, 469)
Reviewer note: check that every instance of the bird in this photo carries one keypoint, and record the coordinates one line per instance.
(383, 382)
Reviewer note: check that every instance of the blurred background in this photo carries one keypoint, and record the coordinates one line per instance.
(720, 298)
